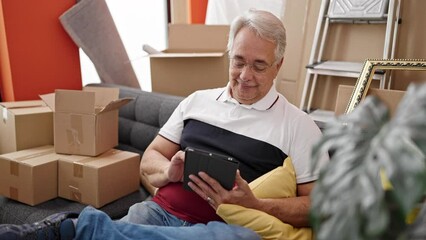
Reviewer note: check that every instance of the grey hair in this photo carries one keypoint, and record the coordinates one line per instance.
(265, 24)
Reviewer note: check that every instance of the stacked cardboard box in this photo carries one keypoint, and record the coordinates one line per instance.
(196, 58)
(98, 180)
(25, 124)
(82, 164)
(29, 176)
(85, 122)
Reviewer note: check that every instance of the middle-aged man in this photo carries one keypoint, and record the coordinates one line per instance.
(248, 120)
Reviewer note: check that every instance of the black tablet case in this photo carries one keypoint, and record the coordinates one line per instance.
(220, 167)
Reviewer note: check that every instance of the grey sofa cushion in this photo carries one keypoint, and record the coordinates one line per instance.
(139, 123)
(141, 119)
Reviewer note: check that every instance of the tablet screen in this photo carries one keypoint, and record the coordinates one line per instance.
(220, 167)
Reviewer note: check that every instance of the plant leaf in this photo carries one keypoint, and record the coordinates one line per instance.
(348, 200)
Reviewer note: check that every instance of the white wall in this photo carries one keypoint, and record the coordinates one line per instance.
(224, 11)
(138, 22)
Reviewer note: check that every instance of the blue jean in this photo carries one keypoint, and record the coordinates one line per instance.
(150, 213)
(95, 224)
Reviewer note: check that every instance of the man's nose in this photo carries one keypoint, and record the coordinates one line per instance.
(246, 72)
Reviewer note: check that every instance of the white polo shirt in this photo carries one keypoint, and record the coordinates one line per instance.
(271, 127)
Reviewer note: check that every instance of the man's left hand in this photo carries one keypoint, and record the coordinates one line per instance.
(211, 190)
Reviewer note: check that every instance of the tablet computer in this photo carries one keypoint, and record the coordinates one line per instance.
(220, 167)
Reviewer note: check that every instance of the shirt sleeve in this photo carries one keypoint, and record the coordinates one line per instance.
(172, 129)
(305, 135)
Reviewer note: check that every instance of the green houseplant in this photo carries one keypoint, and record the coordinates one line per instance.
(367, 149)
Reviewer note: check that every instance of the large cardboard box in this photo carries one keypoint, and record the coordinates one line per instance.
(98, 180)
(25, 124)
(29, 176)
(196, 58)
(389, 97)
(85, 122)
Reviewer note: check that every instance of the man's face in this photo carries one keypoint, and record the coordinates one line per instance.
(252, 69)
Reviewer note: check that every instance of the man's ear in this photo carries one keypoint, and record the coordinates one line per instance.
(280, 63)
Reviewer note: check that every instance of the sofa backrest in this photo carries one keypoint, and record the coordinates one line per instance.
(141, 119)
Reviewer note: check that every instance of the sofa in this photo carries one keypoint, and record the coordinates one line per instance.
(139, 122)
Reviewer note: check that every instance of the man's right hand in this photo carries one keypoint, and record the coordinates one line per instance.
(175, 169)
(162, 163)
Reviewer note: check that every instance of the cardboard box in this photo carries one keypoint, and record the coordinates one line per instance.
(85, 122)
(390, 97)
(29, 176)
(98, 180)
(196, 58)
(24, 125)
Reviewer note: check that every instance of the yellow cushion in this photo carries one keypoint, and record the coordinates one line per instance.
(278, 183)
(387, 186)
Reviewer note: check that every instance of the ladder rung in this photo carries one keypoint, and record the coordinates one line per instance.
(344, 66)
(341, 69)
(358, 21)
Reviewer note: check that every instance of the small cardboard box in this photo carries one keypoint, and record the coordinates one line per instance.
(25, 124)
(85, 122)
(98, 180)
(390, 97)
(30, 176)
(196, 58)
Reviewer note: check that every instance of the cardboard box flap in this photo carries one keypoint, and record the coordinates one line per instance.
(75, 101)
(116, 104)
(23, 104)
(198, 37)
(188, 55)
(103, 95)
(49, 99)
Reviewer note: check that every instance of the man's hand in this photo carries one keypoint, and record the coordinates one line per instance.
(175, 169)
(211, 190)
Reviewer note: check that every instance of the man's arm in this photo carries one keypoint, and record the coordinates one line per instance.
(160, 164)
(294, 210)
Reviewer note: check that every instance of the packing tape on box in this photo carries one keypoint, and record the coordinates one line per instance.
(78, 166)
(75, 132)
(4, 115)
(14, 168)
(27, 105)
(73, 138)
(13, 193)
(75, 192)
(20, 105)
(14, 164)
(34, 155)
(76, 196)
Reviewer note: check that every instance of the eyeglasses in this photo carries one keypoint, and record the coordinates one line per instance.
(257, 67)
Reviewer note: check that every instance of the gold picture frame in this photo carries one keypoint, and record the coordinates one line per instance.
(370, 67)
